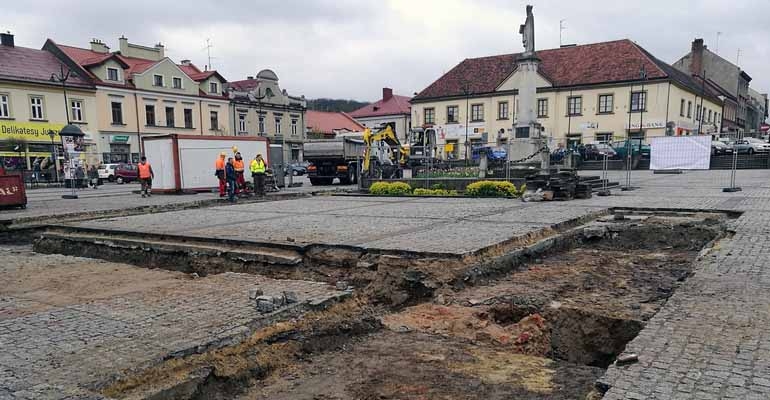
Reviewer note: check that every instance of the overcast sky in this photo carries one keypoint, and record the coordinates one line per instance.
(352, 48)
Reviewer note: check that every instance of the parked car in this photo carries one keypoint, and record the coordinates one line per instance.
(751, 146)
(107, 171)
(636, 145)
(125, 173)
(719, 148)
(296, 169)
(597, 151)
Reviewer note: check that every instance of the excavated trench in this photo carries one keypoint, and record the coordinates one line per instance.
(541, 321)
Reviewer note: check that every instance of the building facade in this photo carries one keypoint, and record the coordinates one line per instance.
(588, 93)
(33, 108)
(702, 62)
(259, 107)
(756, 111)
(141, 92)
(392, 109)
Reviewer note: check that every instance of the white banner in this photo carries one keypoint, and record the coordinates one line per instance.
(680, 152)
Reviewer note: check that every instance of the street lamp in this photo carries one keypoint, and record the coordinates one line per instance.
(467, 94)
(54, 154)
(62, 78)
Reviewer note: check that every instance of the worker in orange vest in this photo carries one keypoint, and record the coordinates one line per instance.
(220, 173)
(145, 177)
(240, 181)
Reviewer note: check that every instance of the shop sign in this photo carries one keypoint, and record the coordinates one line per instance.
(29, 131)
(119, 138)
(648, 125)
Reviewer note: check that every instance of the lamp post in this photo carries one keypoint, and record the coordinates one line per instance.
(467, 94)
(54, 154)
(62, 78)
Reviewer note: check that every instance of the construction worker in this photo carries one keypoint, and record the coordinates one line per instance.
(240, 181)
(231, 180)
(258, 169)
(145, 177)
(220, 173)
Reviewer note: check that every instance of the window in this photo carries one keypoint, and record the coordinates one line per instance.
(213, 87)
(177, 82)
(170, 117)
(452, 114)
(149, 114)
(112, 74)
(77, 110)
(277, 125)
(605, 137)
(117, 113)
(293, 126)
(36, 102)
(689, 109)
(697, 113)
(5, 106)
(477, 112)
(261, 124)
(241, 122)
(214, 121)
(157, 80)
(638, 101)
(502, 110)
(542, 108)
(574, 105)
(681, 108)
(709, 117)
(606, 103)
(430, 116)
(188, 118)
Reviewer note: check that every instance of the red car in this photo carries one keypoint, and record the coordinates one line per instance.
(125, 173)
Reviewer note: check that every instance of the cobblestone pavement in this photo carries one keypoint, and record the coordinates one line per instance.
(68, 324)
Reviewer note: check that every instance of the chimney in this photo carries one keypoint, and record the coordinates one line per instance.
(250, 77)
(123, 42)
(99, 46)
(161, 50)
(186, 62)
(696, 60)
(6, 39)
(387, 94)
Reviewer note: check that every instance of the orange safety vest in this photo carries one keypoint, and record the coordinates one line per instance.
(144, 170)
(220, 163)
(238, 165)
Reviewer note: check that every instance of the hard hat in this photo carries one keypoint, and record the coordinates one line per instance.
(235, 149)
(223, 154)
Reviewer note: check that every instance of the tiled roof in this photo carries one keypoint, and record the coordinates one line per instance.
(33, 65)
(607, 62)
(328, 122)
(244, 85)
(393, 106)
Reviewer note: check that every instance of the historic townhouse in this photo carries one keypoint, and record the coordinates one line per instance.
(392, 109)
(590, 93)
(261, 108)
(140, 91)
(33, 107)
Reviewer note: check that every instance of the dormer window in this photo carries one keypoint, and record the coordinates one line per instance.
(112, 74)
(157, 80)
(213, 87)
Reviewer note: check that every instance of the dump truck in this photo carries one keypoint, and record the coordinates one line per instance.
(334, 158)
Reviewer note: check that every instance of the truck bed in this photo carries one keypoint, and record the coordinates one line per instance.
(339, 148)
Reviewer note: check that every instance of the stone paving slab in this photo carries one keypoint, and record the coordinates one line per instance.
(79, 339)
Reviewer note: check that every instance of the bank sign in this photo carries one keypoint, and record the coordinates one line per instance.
(29, 131)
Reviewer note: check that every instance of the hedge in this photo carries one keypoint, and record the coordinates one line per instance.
(390, 188)
(434, 192)
(493, 189)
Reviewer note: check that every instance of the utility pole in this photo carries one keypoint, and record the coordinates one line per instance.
(561, 29)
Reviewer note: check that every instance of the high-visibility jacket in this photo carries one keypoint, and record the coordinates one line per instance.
(238, 165)
(220, 164)
(145, 170)
(257, 166)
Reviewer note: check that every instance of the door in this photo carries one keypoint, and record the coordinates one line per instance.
(275, 160)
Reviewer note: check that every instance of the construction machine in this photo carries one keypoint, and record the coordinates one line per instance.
(384, 148)
(422, 146)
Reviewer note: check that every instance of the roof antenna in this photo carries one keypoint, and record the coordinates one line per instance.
(208, 47)
(561, 29)
(718, 35)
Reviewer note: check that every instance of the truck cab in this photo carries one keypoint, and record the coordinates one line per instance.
(422, 145)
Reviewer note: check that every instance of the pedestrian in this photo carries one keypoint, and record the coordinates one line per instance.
(80, 176)
(258, 168)
(145, 177)
(239, 169)
(231, 179)
(220, 173)
(93, 177)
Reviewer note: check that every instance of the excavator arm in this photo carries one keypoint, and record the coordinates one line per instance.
(386, 136)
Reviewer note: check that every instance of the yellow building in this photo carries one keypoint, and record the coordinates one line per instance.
(589, 93)
(33, 107)
(141, 92)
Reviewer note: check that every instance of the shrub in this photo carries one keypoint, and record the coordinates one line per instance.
(390, 188)
(434, 192)
(493, 189)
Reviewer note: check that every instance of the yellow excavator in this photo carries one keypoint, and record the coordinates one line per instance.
(390, 156)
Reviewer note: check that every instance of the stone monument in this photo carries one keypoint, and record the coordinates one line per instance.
(528, 137)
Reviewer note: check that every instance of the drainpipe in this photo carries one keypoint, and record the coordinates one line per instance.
(138, 127)
(200, 114)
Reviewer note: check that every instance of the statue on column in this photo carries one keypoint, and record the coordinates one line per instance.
(527, 32)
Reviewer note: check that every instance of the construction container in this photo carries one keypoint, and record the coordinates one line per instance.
(12, 191)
